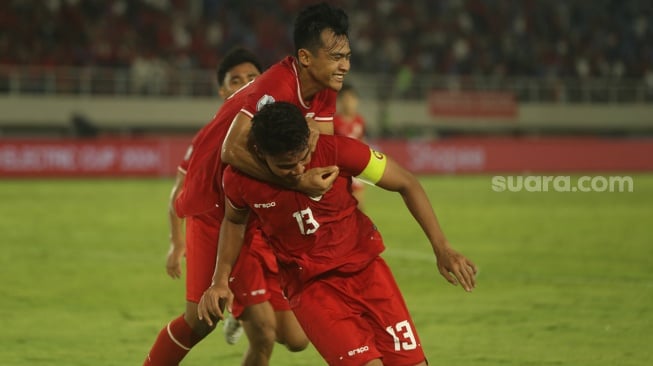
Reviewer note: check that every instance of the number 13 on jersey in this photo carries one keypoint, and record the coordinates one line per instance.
(307, 223)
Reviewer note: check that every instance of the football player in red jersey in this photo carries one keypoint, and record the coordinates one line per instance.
(309, 79)
(328, 251)
(198, 241)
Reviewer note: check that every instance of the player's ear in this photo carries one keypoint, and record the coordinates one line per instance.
(304, 57)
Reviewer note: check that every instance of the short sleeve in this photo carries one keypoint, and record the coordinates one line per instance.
(231, 184)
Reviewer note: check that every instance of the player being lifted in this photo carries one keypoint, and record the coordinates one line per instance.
(328, 251)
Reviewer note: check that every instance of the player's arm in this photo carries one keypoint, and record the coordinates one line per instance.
(324, 127)
(237, 152)
(232, 233)
(177, 238)
(387, 174)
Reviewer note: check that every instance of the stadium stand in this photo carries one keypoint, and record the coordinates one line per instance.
(563, 52)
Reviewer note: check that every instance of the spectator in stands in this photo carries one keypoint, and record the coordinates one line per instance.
(472, 37)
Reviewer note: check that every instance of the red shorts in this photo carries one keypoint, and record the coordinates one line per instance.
(255, 279)
(201, 249)
(354, 318)
(255, 273)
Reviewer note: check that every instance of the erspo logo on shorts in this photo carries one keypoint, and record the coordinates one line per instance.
(258, 292)
(359, 350)
(265, 205)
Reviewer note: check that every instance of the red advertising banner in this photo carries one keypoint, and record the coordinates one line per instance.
(91, 158)
(155, 157)
(472, 104)
(488, 155)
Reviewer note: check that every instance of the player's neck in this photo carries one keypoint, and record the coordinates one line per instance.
(308, 87)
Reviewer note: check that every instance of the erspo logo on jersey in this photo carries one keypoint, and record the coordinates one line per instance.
(266, 99)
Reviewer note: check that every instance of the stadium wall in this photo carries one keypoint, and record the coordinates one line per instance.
(65, 156)
(117, 113)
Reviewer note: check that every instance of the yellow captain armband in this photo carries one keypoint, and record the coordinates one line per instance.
(375, 168)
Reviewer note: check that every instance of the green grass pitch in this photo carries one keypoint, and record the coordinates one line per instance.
(565, 278)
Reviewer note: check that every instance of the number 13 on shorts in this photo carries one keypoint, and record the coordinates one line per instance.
(403, 336)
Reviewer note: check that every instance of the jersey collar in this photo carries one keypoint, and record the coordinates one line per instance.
(299, 89)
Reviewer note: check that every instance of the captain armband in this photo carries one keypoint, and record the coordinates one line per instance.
(375, 167)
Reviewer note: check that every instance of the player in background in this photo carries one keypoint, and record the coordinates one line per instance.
(309, 79)
(348, 122)
(341, 290)
(238, 68)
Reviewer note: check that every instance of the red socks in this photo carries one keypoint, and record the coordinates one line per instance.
(172, 344)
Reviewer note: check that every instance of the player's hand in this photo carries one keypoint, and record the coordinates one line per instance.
(212, 304)
(456, 268)
(174, 259)
(317, 181)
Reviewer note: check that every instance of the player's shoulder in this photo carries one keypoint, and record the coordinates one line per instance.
(326, 96)
(278, 83)
(327, 145)
(282, 72)
(232, 173)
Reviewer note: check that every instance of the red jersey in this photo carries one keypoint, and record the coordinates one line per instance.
(311, 236)
(354, 128)
(202, 190)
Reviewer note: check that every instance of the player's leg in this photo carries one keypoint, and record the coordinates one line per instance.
(290, 332)
(259, 323)
(251, 306)
(330, 315)
(386, 311)
(179, 336)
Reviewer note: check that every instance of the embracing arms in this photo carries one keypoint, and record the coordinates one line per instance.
(238, 152)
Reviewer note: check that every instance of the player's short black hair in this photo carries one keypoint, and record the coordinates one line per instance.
(279, 128)
(235, 57)
(313, 20)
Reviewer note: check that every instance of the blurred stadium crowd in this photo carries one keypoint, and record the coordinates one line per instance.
(566, 38)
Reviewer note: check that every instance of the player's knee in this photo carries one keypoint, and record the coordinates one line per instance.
(294, 339)
(199, 327)
(261, 335)
(296, 344)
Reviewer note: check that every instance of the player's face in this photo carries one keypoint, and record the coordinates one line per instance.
(237, 77)
(330, 63)
(289, 166)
